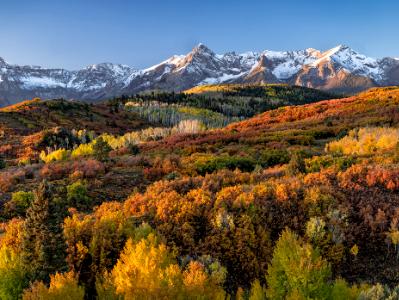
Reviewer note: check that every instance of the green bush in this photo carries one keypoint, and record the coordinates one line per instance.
(318, 163)
(245, 164)
(19, 203)
(77, 195)
(297, 271)
(13, 279)
(274, 157)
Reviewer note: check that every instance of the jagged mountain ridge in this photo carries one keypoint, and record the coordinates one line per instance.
(339, 69)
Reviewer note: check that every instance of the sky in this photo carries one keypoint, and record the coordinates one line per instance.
(75, 33)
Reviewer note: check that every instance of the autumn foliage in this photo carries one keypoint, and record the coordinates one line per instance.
(299, 202)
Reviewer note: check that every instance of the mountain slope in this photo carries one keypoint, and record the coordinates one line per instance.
(302, 125)
(339, 69)
(93, 82)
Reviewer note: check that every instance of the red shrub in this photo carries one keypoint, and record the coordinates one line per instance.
(10, 178)
(55, 171)
(90, 168)
(6, 181)
(5, 149)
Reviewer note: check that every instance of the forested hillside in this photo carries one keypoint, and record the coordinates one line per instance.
(218, 105)
(137, 198)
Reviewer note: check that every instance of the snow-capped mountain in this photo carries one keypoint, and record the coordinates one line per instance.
(91, 83)
(339, 69)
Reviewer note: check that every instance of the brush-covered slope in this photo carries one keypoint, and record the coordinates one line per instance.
(36, 114)
(232, 211)
(304, 124)
(23, 125)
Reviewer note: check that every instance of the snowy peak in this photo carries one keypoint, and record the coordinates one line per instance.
(107, 65)
(286, 64)
(202, 49)
(2, 62)
(108, 69)
(313, 52)
(337, 49)
(351, 61)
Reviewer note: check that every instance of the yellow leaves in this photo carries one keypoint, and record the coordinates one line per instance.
(168, 205)
(315, 228)
(287, 189)
(76, 224)
(192, 204)
(147, 270)
(224, 220)
(262, 190)
(282, 193)
(354, 250)
(393, 234)
(12, 237)
(239, 196)
(62, 286)
(83, 150)
(366, 141)
(102, 234)
(199, 197)
(257, 291)
(110, 210)
(59, 281)
(173, 277)
(227, 196)
(312, 195)
(81, 251)
(318, 196)
(60, 154)
(195, 279)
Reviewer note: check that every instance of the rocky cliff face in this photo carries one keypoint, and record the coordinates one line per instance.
(339, 69)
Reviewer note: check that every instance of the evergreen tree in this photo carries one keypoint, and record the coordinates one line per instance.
(101, 149)
(296, 164)
(43, 246)
(2, 163)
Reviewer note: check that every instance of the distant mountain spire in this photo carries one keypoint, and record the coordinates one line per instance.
(201, 48)
(2, 62)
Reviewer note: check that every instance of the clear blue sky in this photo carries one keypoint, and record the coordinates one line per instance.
(75, 33)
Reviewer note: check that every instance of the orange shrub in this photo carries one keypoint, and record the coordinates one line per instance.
(359, 177)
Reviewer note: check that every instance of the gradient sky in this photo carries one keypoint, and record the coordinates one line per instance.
(76, 33)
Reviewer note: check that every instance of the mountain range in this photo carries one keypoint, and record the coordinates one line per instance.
(340, 69)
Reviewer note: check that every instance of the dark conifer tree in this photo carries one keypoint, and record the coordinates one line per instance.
(43, 246)
(101, 149)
